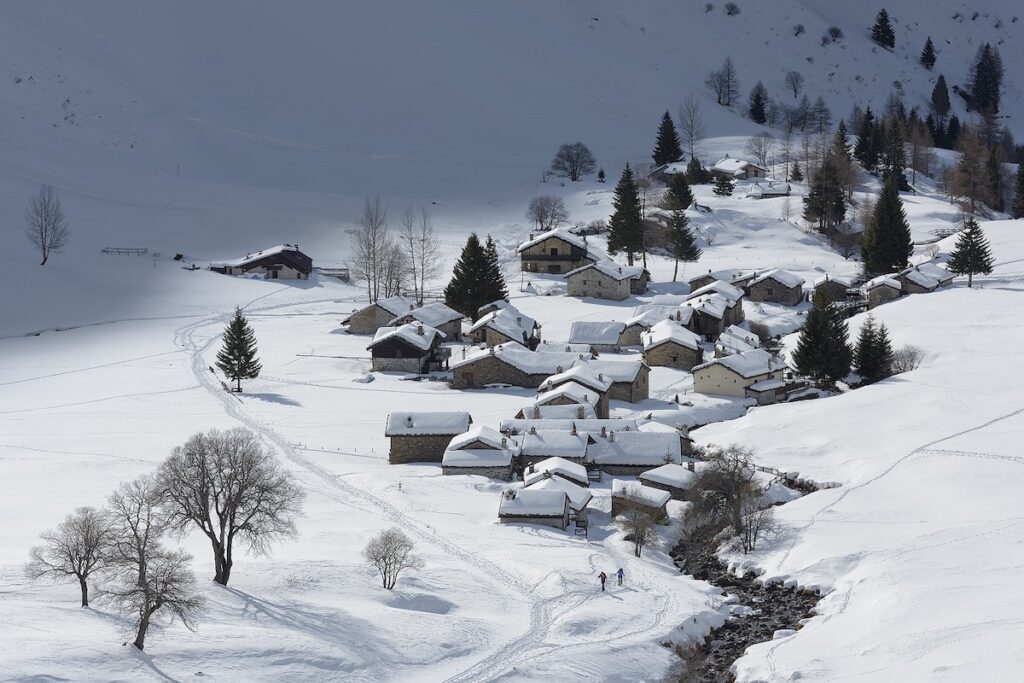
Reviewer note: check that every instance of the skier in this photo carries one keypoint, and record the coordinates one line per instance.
(620, 574)
(603, 577)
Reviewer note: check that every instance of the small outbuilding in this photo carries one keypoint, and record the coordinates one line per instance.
(737, 278)
(630, 378)
(740, 169)
(534, 506)
(480, 450)
(509, 363)
(436, 315)
(670, 345)
(607, 279)
(283, 262)
(777, 286)
(579, 496)
(603, 337)
(408, 348)
(672, 477)
(735, 339)
(369, 319)
(568, 468)
(630, 495)
(881, 290)
(632, 452)
(836, 286)
(423, 436)
(914, 281)
(505, 325)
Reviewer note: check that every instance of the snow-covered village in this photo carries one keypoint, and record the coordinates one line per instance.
(665, 341)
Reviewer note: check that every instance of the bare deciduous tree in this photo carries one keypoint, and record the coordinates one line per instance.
(691, 124)
(45, 225)
(232, 489)
(422, 249)
(724, 83)
(906, 359)
(144, 575)
(547, 212)
(573, 161)
(637, 526)
(725, 494)
(795, 82)
(72, 551)
(390, 552)
(372, 247)
(761, 147)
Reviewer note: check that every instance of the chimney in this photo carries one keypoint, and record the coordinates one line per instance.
(510, 494)
(408, 421)
(531, 235)
(533, 430)
(579, 416)
(547, 475)
(536, 412)
(611, 436)
(504, 441)
(600, 376)
(519, 320)
(419, 330)
(559, 370)
(573, 430)
(604, 432)
(690, 466)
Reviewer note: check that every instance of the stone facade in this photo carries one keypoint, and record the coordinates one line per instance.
(601, 409)
(415, 365)
(553, 255)
(707, 326)
(503, 473)
(632, 392)
(559, 522)
(836, 290)
(492, 370)
(620, 505)
(638, 284)
(716, 379)
(672, 355)
(594, 283)
(880, 295)
(775, 292)
(676, 492)
(406, 449)
(369, 319)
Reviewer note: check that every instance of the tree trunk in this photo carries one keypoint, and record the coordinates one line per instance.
(45, 256)
(140, 636)
(238, 382)
(675, 271)
(970, 280)
(85, 590)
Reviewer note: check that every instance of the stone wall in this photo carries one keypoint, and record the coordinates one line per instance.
(491, 370)
(368, 320)
(880, 295)
(620, 505)
(676, 492)
(773, 292)
(672, 355)
(632, 392)
(406, 449)
(560, 522)
(593, 283)
(413, 365)
(503, 473)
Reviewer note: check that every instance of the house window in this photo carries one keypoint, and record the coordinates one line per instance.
(554, 251)
(771, 291)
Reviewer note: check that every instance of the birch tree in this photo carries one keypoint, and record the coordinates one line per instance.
(422, 249)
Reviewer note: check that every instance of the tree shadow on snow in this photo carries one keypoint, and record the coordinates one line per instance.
(275, 398)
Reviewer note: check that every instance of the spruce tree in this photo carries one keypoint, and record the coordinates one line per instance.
(758, 103)
(953, 132)
(864, 151)
(1017, 208)
(667, 148)
(940, 99)
(625, 228)
(695, 173)
(928, 54)
(795, 174)
(894, 157)
(841, 141)
(237, 357)
(882, 32)
(972, 255)
(468, 289)
(825, 204)
(677, 200)
(887, 243)
(600, 175)
(986, 81)
(823, 350)
(494, 280)
(723, 185)
(994, 179)
(873, 353)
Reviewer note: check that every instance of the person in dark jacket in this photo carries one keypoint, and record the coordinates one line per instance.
(621, 575)
(603, 577)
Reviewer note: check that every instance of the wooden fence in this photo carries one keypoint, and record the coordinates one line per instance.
(125, 251)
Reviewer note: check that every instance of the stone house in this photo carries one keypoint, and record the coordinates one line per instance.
(534, 506)
(881, 290)
(369, 319)
(768, 190)
(768, 391)
(777, 286)
(556, 252)
(436, 315)
(914, 281)
(579, 496)
(568, 468)
(735, 339)
(630, 452)
(731, 294)
(630, 495)
(674, 478)
(736, 278)
(283, 262)
(509, 363)
(738, 169)
(483, 451)
(548, 411)
(731, 375)
(709, 315)
(603, 337)
(936, 272)
(505, 325)
(837, 287)
(670, 345)
(423, 436)
(630, 378)
(408, 348)
(607, 279)
(592, 380)
(572, 394)
(517, 427)
(646, 316)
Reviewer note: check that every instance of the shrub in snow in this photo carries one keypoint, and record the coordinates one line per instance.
(731, 9)
(798, 29)
(835, 33)
(708, 7)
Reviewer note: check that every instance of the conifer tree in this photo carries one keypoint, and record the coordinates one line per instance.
(882, 32)
(894, 157)
(600, 175)
(695, 173)
(887, 243)
(625, 228)
(758, 103)
(928, 54)
(986, 81)
(468, 289)
(873, 352)
(864, 151)
(1017, 208)
(825, 204)
(667, 148)
(953, 131)
(823, 350)
(972, 255)
(494, 280)
(994, 179)
(237, 357)
(677, 200)
(796, 175)
(940, 100)
(841, 141)
(723, 185)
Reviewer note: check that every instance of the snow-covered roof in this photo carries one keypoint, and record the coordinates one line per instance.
(509, 322)
(435, 314)
(579, 411)
(714, 305)
(936, 272)
(731, 275)
(579, 497)
(669, 331)
(557, 446)
(882, 281)
(477, 457)
(615, 370)
(257, 255)
(577, 393)
(496, 304)
(767, 385)
(646, 315)
(562, 234)
(590, 425)
(669, 299)
(732, 165)
(735, 339)
(727, 290)
(646, 495)
(521, 358)
(674, 168)
(427, 424)
(760, 189)
(611, 269)
(747, 364)
(671, 474)
(594, 332)
(533, 503)
(581, 374)
(562, 347)
(920, 278)
(840, 280)
(483, 434)
(635, 448)
(783, 277)
(417, 335)
(396, 305)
